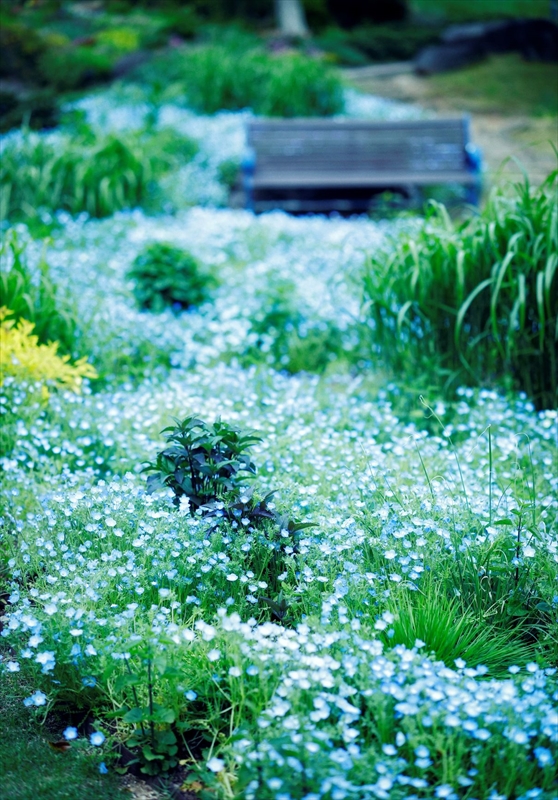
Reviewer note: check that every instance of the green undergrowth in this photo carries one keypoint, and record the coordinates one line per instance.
(34, 296)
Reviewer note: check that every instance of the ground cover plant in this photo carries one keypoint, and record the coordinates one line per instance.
(262, 570)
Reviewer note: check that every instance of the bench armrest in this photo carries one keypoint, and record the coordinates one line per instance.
(248, 167)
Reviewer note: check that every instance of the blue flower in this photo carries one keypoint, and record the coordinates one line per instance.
(97, 738)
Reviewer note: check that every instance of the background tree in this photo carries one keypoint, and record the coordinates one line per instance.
(290, 17)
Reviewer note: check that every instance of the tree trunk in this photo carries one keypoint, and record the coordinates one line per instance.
(291, 19)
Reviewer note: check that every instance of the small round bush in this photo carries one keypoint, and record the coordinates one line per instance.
(165, 276)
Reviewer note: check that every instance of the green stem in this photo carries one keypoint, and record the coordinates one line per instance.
(150, 690)
(135, 695)
(489, 475)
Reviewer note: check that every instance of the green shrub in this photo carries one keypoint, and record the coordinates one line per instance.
(165, 276)
(88, 171)
(338, 45)
(377, 43)
(35, 298)
(229, 172)
(214, 77)
(71, 67)
(476, 301)
(20, 50)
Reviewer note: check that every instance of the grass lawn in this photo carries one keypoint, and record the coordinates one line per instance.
(505, 84)
(31, 769)
(466, 10)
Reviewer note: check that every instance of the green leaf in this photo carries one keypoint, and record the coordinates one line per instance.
(135, 715)
(126, 680)
(164, 715)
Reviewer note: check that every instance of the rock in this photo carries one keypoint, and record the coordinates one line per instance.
(535, 39)
(443, 57)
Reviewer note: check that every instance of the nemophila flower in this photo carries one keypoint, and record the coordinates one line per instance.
(214, 655)
(216, 764)
(103, 769)
(97, 738)
(47, 660)
(12, 666)
(445, 792)
(70, 733)
(38, 698)
(190, 695)
(544, 756)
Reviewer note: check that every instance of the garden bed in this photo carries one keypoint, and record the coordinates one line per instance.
(403, 644)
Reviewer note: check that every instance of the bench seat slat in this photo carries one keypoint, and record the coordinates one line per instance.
(314, 180)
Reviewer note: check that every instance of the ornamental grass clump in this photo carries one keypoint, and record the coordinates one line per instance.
(33, 296)
(474, 302)
(215, 77)
(85, 171)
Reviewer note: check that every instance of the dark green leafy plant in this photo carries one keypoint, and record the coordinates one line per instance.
(35, 298)
(165, 275)
(476, 301)
(202, 462)
(70, 67)
(266, 539)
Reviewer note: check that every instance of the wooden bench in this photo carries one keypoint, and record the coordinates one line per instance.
(317, 165)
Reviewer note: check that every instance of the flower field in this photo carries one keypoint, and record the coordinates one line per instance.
(370, 611)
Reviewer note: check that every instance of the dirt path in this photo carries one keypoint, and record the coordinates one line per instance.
(499, 136)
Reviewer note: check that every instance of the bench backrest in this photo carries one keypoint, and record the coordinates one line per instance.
(353, 146)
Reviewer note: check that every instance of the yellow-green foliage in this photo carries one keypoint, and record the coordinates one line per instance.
(23, 358)
(124, 40)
